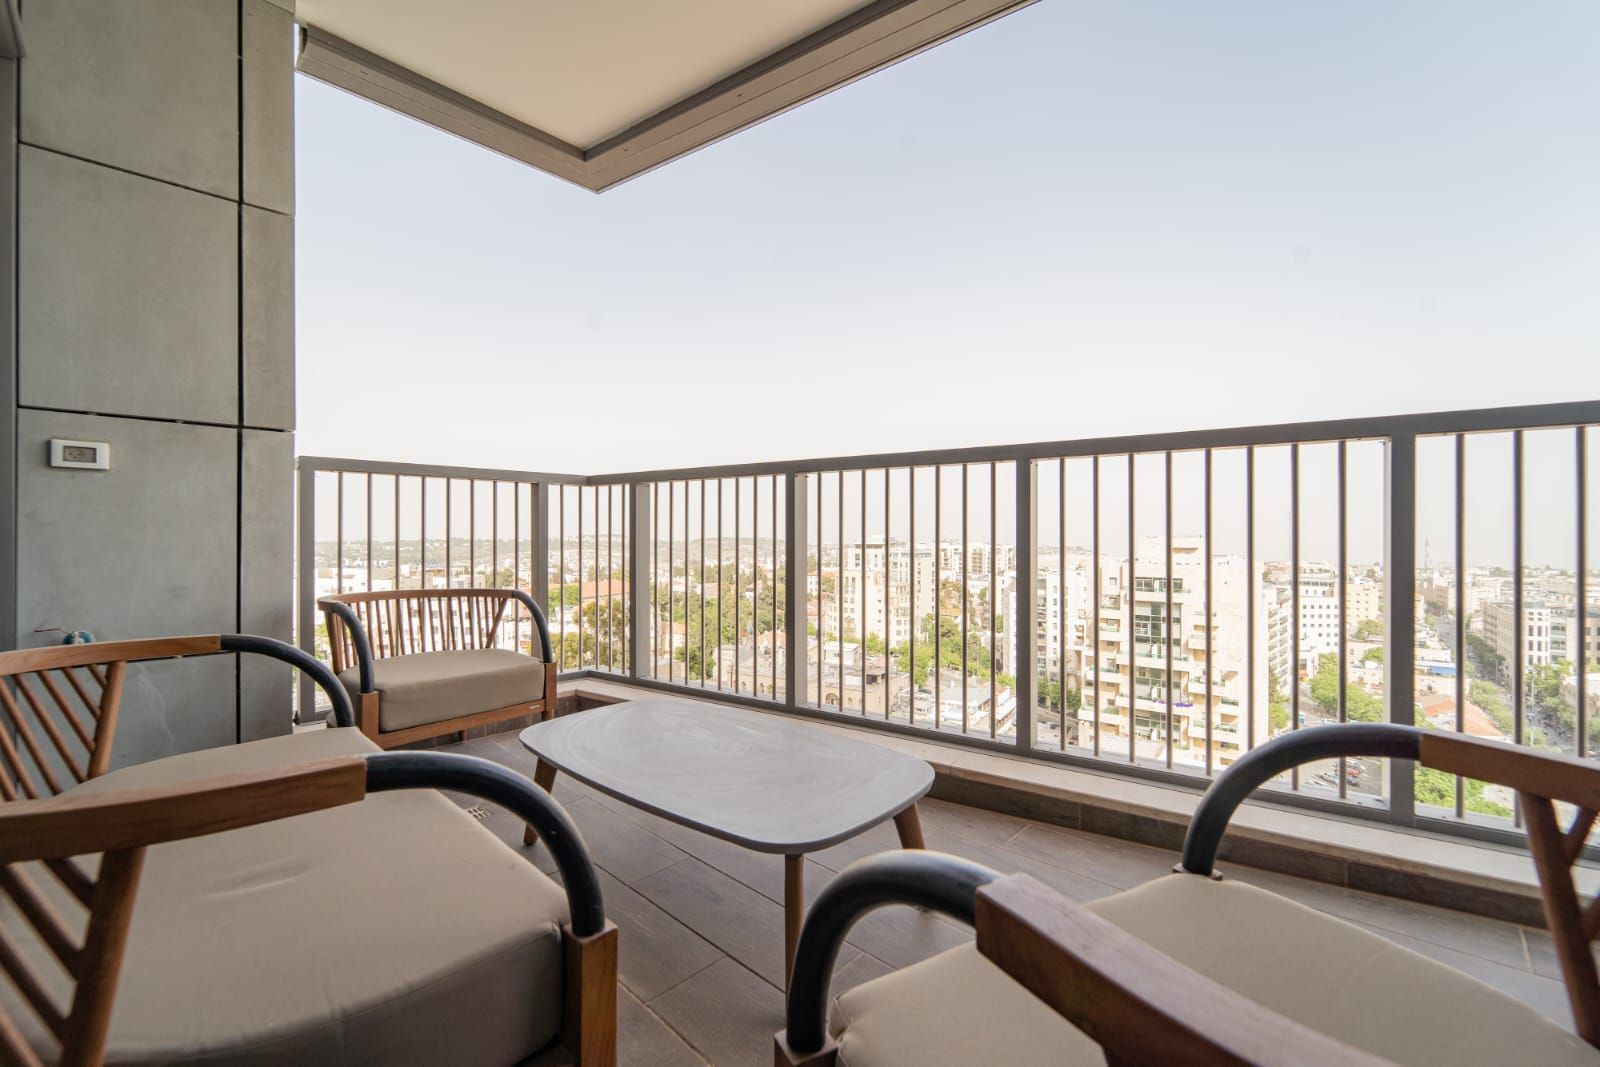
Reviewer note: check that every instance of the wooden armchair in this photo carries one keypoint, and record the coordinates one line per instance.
(1192, 968)
(422, 663)
(171, 911)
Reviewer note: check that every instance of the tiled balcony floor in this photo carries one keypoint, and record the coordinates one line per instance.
(702, 924)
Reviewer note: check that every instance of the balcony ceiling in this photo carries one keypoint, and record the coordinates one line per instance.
(597, 92)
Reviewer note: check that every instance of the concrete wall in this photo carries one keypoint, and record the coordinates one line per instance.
(154, 268)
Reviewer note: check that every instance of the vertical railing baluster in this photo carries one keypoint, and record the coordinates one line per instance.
(702, 583)
(755, 585)
(449, 517)
(1580, 435)
(339, 527)
(368, 479)
(861, 595)
(1167, 626)
(1094, 640)
(788, 634)
(1399, 624)
(1294, 599)
(911, 595)
(721, 510)
(820, 654)
(888, 659)
(1128, 601)
(1520, 626)
(579, 622)
(1344, 595)
(966, 608)
(1460, 518)
(472, 532)
(1211, 665)
(938, 596)
(1061, 606)
(1251, 581)
(686, 515)
(994, 606)
(561, 574)
(738, 583)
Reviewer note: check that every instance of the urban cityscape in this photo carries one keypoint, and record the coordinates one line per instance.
(1187, 675)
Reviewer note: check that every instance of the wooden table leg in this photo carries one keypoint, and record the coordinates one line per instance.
(910, 827)
(544, 776)
(794, 909)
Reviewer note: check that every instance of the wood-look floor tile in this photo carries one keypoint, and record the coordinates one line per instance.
(643, 1040)
(728, 1015)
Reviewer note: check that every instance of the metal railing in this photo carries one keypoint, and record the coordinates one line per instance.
(1234, 583)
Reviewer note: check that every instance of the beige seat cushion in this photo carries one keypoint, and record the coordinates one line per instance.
(430, 687)
(959, 1008)
(395, 931)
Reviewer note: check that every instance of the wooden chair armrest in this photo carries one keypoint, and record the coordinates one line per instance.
(77, 825)
(1138, 1004)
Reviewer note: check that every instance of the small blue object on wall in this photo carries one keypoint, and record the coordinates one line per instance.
(78, 637)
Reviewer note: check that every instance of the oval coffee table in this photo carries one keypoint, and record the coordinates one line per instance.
(755, 779)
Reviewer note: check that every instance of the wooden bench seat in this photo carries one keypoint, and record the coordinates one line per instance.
(423, 663)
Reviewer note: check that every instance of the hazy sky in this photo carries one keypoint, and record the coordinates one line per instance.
(1087, 218)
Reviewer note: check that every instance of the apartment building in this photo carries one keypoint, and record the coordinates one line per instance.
(887, 589)
(1131, 672)
(1543, 634)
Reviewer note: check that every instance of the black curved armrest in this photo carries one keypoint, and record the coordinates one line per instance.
(932, 880)
(539, 623)
(1282, 753)
(299, 659)
(358, 637)
(503, 786)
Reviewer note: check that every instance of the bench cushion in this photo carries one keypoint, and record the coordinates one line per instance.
(1321, 971)
(429, 687)
(396, 930)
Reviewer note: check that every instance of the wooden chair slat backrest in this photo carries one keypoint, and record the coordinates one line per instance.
(58, 710)
(1541, 781)
(409, 621)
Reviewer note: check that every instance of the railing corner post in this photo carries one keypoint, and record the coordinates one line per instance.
(797, 643)
(306, 578)
(1399, 623)
(539, 571)
(1024, 627)
(640, 538)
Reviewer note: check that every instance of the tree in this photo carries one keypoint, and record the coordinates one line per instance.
(1373, 655)
(1436, 788)
(1359, 704)
(1277, 703)
(1492, 699)
(1368, 630)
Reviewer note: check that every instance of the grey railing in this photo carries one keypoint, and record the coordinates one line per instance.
(1181, 597)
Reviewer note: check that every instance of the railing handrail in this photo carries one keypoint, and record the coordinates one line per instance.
(1468, 420)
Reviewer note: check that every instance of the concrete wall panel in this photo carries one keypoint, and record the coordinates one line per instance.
(268, 319)
(146, 549)
(268, 111)
(128, 294)
(148, 87)
(266, 578)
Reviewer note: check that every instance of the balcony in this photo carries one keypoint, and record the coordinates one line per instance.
(159, 322)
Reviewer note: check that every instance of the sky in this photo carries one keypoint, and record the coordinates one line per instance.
(1083, 219)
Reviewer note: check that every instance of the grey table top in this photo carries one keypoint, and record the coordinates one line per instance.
(746, 777)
